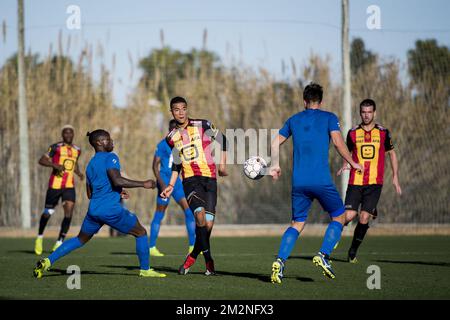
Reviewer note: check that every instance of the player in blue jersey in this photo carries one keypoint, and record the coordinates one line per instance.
(104, 189)
(162, 168)
(311, 131)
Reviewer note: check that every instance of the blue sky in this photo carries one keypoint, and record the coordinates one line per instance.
(256, 32)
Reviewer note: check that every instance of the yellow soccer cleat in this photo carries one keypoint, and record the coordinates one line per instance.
(41, 266)
(56, 246)
(277, 271)
(323, 261)
(151, 273)
(154, 252)
(38, 246)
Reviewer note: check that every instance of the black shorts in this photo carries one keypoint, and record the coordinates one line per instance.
(201, 192)
(366, 196)
(53, 195)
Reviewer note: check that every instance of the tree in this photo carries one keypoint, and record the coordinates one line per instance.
(359, 56)
(163, 67)
(429, 66)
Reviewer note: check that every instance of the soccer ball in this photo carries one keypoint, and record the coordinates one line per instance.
(254, 168)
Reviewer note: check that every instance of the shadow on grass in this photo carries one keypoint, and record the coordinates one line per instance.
(123, 253)
(248, 275)
(63, 272)
(309, 258)
(24, 251)
(425, 263)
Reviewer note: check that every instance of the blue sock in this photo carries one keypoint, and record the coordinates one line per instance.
(66, 248)
(332, 236)
(154, 227)
(142, 252)
(190, 225)
(287, 243)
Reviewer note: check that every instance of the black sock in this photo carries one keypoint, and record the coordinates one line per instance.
(358, 237)
(208, 255)
(65, 224)
(43, 223)
(201, 243)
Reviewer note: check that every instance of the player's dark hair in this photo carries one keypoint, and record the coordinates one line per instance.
(96, 135)
(177, 100)
(313, 92)
(172, 124)
(368, 103)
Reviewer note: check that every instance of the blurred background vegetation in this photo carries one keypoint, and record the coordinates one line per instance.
(413, 102)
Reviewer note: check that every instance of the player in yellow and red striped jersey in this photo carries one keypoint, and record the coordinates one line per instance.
(368, 142)
(192, 152)
(62, 157)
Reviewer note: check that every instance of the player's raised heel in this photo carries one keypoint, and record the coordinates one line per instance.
(184, 268)
(322, 261)
(41, 266)
(57, 245)
(277, 271)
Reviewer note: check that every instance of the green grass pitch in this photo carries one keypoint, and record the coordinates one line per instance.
(412, 267)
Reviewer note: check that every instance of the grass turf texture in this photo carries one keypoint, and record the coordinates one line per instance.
(412, 267)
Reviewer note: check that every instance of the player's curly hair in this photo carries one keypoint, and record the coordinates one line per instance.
(95, 135)
(313, 92)
(177, 100)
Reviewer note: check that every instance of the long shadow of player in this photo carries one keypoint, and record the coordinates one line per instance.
(439, 264)
(22, 251)
(63, 272)
(311, 257)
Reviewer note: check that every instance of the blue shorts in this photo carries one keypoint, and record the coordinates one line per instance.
(118, 218)
(328, 197)
(177, 193)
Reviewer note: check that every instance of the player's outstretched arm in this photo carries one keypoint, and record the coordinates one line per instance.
(122, 182)
(342, 149)
(275, 170)
(394, 165)
(168, 190)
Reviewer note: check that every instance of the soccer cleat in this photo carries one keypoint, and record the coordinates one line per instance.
(277, 271)
(184, 268)
(352, 260)
(38, 246)
(323, 261)
(154, 252)
(210, 270)
(41, 266)
(151, 274)
(57, 245)
(352, 256)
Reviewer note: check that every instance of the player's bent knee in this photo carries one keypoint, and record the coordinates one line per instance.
(341, 219)
(350, 215)
(200, 216)
(48, 212)
(298, 225)
(84, 237)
